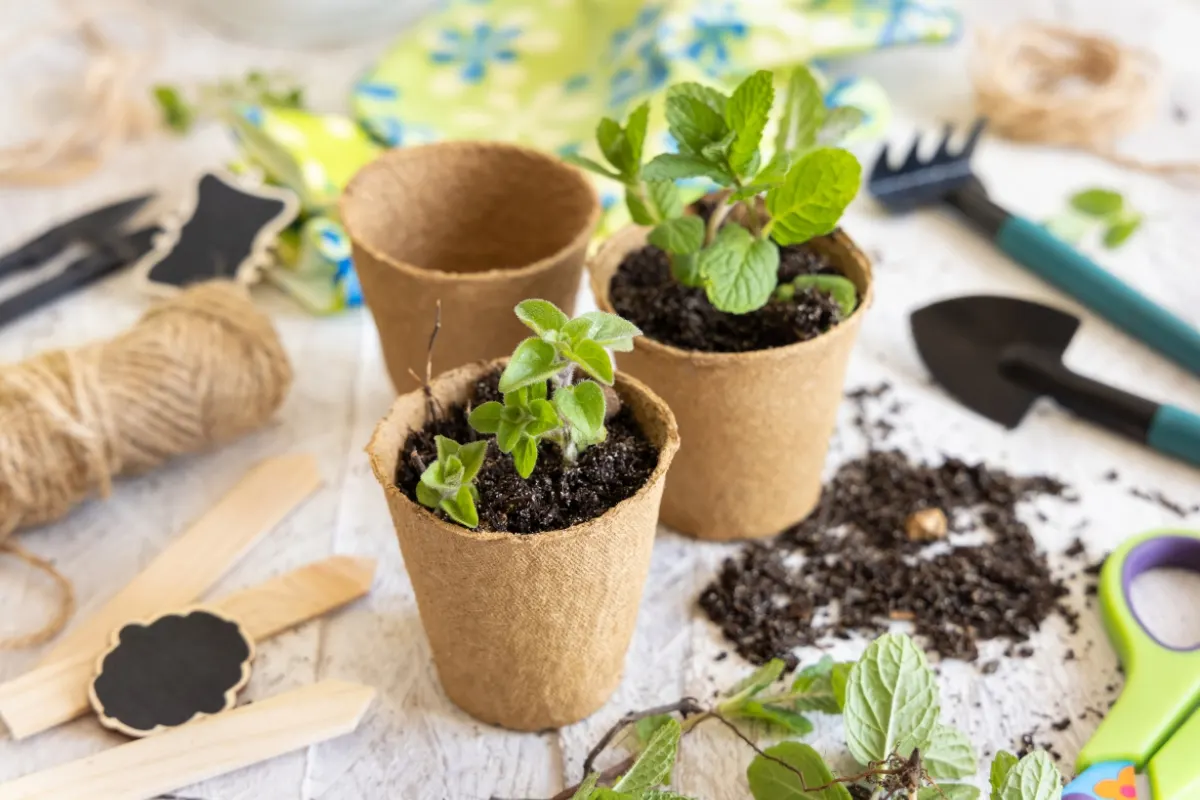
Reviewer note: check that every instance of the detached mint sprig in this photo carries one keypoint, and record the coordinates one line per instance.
(806, 185)
(1093, 209)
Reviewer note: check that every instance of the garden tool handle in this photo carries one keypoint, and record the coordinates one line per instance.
(1061, 265)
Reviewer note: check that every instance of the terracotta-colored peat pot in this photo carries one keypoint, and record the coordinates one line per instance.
(528, 631)
(480, 226)
(755, 426)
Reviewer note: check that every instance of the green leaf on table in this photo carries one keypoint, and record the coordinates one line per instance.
(653, 767)
(838, 124)
(786, 719)
(676, 166)
(1068, 226)
(534, 360)
(1033, 778)
(663, 794)
(583, 162)
(813, 686)
(584, 792)
(891, 701)
(681, 235)
(1120, 230)
(593, 359)
(754, 683)
(949, 791)
(949, 754)
(461, 508)
(615, 146)
(803, 112)
(1002, 764)
(770, 780)
(739, 271)
(841, 289)
(582, 406)
(541, 316)
(814, 195)
(746, 114)
(176, 113)
(1100, 203)
(646, 727)
(524, 455)
(605, 793)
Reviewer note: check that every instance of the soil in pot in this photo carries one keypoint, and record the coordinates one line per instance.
(556, 496)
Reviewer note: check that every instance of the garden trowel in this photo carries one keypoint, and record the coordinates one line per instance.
(997, 355)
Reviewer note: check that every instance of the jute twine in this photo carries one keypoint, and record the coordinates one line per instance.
(1051, 85)
(201, 368)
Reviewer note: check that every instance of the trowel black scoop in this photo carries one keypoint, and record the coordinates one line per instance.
(997, 355)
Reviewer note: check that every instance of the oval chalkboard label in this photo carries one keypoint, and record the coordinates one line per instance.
(170, 671)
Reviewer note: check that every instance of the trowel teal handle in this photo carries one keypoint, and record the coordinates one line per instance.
(1176, 432)
(1061, 265)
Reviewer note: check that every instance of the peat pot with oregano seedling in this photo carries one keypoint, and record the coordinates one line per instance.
(476, 226)
(750, 300)
(525, 494)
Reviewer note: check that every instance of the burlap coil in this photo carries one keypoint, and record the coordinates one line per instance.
(480, 226)
(527, 631)
(755, 426)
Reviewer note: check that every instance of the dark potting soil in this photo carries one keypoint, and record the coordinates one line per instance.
(556, 495)
(643, 291)
(851, 567)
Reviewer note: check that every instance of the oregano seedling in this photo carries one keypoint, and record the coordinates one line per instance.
(805, 186)
(447, 483)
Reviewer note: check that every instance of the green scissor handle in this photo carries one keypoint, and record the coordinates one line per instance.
(1162, 683)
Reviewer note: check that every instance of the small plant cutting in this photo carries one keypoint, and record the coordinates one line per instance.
(1097, 208)
(799, 193)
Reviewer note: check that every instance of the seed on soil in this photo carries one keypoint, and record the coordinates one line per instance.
(926, 525)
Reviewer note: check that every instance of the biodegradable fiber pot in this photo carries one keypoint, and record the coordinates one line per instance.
(480, 226)
(755, 426)
(528, 631)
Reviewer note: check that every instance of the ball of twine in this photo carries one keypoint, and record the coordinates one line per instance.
(1052, 85)
(201, 368)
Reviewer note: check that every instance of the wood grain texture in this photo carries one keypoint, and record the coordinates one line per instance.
(415, 744)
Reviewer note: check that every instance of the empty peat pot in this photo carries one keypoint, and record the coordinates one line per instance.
(755, 426)
(528, 631)
(480, 226)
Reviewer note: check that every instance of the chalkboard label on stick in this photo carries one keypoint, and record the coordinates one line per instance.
(174, 669)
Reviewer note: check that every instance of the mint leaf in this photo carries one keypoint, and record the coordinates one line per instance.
(838, 124)
(841, 289)
(746, 114)
(663, 197)
(524, 455)
(718, 151)
(646, 727)
(814, 195)
(707, 95)
(1125, 226)
(534, 360)
(695, 116)
(739, 271)
(1098, 202)
(681, 235)
(662, 794)
(594, 360)
(639, 212)
(686, 270)
(583, 162)
(891, 701)
(653, 767)
(541, 316)
(604, 793)
(949, 791)
(785, 718)
(615, 146)
(949, 754)
(675, 166)
(770, 780)
(610, 330)
(176, 113)
(813, 686)
(1033, 778)
(803, 112)
(635, 132)
(1001, 766)
(584, 792)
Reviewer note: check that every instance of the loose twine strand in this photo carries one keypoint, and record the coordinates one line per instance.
(1052, 85)
(201, 368)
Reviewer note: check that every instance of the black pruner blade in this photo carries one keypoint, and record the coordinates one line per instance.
(94, 227)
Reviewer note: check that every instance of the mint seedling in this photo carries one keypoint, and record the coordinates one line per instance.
(448, 482)
(805, 186)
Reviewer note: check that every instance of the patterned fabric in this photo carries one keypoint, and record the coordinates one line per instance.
(1108, 781)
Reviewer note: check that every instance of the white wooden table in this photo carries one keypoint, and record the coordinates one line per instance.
(415, 744)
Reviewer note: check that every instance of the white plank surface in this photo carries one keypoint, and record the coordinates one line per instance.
(414, 743)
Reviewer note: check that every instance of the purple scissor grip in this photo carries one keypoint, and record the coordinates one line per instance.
(1179, 552)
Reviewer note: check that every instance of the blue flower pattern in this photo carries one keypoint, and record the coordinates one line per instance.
(649, 68)
(475, 49)
(712, 32)
(905, 21)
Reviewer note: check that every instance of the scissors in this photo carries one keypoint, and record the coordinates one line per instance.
(1152, 726)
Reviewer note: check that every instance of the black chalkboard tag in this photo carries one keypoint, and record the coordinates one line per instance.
(178, 667)
(224, 231)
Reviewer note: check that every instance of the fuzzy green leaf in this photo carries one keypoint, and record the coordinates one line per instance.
(593, 359)
(949, 791)
(472, 456)
(428, 496)
(1033, 778)
(838, 124)
(646, 727)
(803, 112)
(582, 406)
(461, 508)
(635, 132)
(739, 271)
(784, 718)
(525, 455)
(486, 418)
(583, 162)
(604, 793)
(676, 166)
(754, 683)
(584, 792)
(746, 113)
(1101, 203)
(949, 754)
(541, 316)
(543, 418)
(813, 686)
(176, 113)
(434, 477)
(615, 146)
(534, 360)
(814, 195)
(682, 235)
(842, 290)
(1116, 233)
(1002, 764)
(508, 434)
(770, 780)
(446, 447)
(891, 701)
(653, 767)
(610, 330)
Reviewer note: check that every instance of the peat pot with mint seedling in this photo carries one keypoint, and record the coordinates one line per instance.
(750, 300)
(525, 494)
(476, 226)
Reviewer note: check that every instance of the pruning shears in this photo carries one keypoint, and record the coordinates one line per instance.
(1153, 726)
